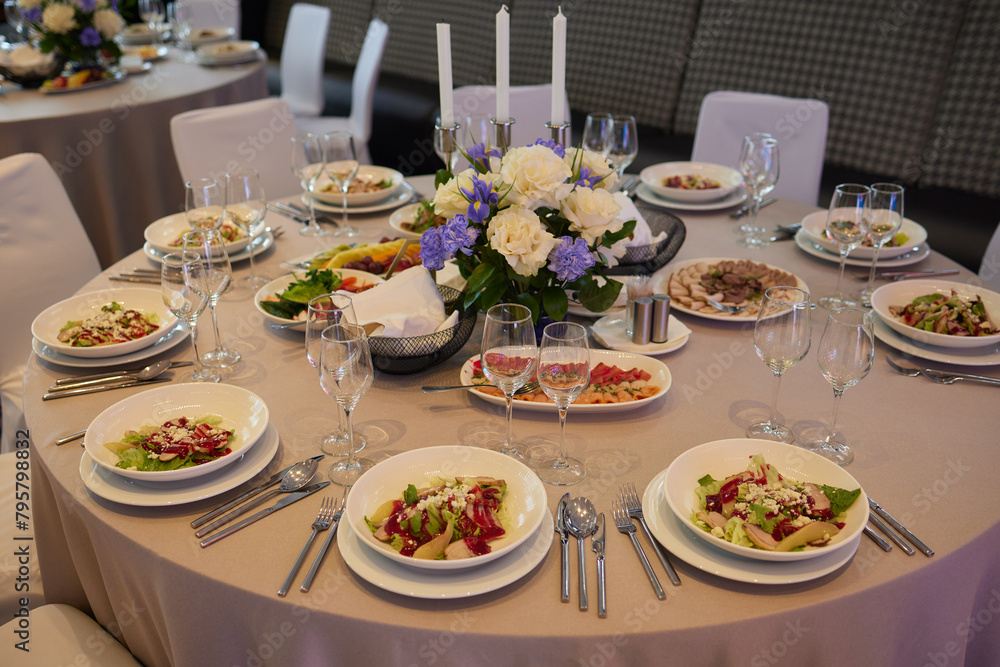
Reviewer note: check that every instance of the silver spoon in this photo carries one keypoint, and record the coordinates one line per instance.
(297, 476)
(147, 373)
(581, 520)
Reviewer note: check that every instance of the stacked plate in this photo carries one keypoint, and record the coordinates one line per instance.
(691, 186)
(228, 53)
(529, 529)
(374, 189)
(812, 238)
(203, 36)
(163, 237)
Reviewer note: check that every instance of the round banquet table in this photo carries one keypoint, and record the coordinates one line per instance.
(111, 146)
(925, 451)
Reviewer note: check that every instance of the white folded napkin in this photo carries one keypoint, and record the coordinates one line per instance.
(642, 235)
(408, 305)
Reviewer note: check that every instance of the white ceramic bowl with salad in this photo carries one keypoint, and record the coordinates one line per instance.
(905, 291)
(372, 184)
(723, 458)
(49, 323)
(913, 236)
(523, 507)
(725, 179)
(241, 411)
(279, 285)
(165, 235)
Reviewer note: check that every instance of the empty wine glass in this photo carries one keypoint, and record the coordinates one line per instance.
(845, 355)
(204, 203)
(152, 12)
(597, 133)
(758, 163)
(847, 224)
(563, 373)
(623, 144)
(345, 373)
(245, 207)
(324, 311)
(181, 19)
(341, 166)
(12, 11)
(781, 337)
(218, 277)
(180, 273)
(508, 359)
(307, 165)
(884, 221)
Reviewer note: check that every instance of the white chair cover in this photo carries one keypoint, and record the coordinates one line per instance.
(989, 268)
(363, 84)
(530, 106)
(215, 14)
(303, 55)
(63, 635)
(257, 134)
(799, 125)
(45, 255)
(10, 562)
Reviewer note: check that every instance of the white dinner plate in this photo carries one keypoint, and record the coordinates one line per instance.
(609, 331)
(110, 486)
(664, 288)
(209, 35)
(814, 225)
(162, 233)
(138, 68)
(149, 301)
(403, 216)
(282, 283)
(261, 242)
(166, 341)
(958, 357)
(728, 179)
(241, 410)
(149, 52)
(524, 502)
(139, 33)
(684, 544)
(227, 53)
(805, 243)
(452, 584)
(642, 191)
(367, 173)
(402, 195)
(117, 76)
(626, 361)
(723, 458)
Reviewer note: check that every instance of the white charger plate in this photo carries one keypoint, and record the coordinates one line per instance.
(241, 410)
(738, 196)
(282, 283)
(805, 243)
(260, 243)
(958, 357)
(366, 173)
(524, 501)
(108, 485)
(625, 360)
(814, 225)
(168, 340)
(402, 195)
(609, 331)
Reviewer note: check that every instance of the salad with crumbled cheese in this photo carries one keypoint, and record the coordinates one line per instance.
(178, 443)
(454, 518)
(760, 509)
(114, 324)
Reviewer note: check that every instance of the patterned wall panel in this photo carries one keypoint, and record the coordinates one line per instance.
(348, 25)
(879, 64)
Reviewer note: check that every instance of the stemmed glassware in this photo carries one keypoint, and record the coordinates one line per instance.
(847, 224)
(345, 373)
(758, 163)
(597, 133)
(885, 220)
(508, 359)
(204, 203)
(218, 276)
(563, 373)
(12, 11)
(845, 355)
(246, 207)
(781, 337)
(307, 165)
(181, 19)
(341, 166)
(152, 12)
(182, 282)
(623, 144)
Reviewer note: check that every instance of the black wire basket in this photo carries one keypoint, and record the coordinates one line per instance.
(401, 356)
(647, 259)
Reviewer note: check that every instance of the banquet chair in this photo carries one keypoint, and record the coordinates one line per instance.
(799, 125)
(62, 635)
(530, 106)
(257, 134)
(303, 55)
(989, 268)
(366, 73)
(45, 256)
(215, 14)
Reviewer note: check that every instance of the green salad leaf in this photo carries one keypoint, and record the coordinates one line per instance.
(840, 499)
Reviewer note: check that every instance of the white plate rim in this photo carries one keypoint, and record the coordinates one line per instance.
(368, 198)
(861, 252)
(954, 356)
(279, 284)
(161, 52)
(650, 349)
(643, 192)
(168, 222)
(245, 47)
(167, 341)
(681, 166)
(220, 34)
(403, 194)
(260, 243)
(404, 214)
(805, 243)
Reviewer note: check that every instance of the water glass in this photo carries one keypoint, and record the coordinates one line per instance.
(563, 373)
(508, 359)
(759, 165)
(847, 224)
(182, 281)
(218, 277)
(307, 165)
(597, 133)
(246, 207)
(341, 166)
(885, 220)
(345, 374)
(623, 144)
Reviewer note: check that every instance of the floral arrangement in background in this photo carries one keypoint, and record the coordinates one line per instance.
(529, 226)
(79, 30)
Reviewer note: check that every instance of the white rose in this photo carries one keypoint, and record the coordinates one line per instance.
(517, 234)
(592, 213)
(596, 163)
(58, 18)
(537, 177)
(449, 200)
(108, 22)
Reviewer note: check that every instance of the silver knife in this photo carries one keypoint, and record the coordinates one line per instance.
(891, 534)
(288, 214)
(743, 210)
(274, 479)
(311, 574)
(290, 498)
(923, 548)
(563, 548)
(104, 387)
(114, 374)
(597, 544)
(148, 280)
(877, 539)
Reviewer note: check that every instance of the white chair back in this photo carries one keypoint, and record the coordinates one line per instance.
(989, 268)
(215, 14)
(303, 56)
(799, 125)
(45, 256)
(257, 134)
(69, 635)
(530, 106)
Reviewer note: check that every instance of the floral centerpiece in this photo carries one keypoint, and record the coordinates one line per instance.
(80, 31)
(530, 226)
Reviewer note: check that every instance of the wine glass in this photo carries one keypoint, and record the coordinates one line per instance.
(181, 19)
(847, 224)
(623, 144)
(204, 203)
(246, 206)
(846, 354)
(12, 10)
(324, 311)
(179, 274)
(508, 359)
(758, 163)
(563, 373)
(152, 12)
(307, 165)
(597, 133)
(884, 221)
(218, 276)
(781, 337)
(341, 166)
(345, 374)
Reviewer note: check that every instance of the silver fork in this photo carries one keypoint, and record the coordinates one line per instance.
(433, 389)
(630, 499)
(941, 377)
(625, 526)
(323, 520)
(725, 308)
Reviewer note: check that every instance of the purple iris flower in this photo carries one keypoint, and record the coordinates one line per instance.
(588, 179)
(33, 15)
(90, 37)
(480, 157)
(570, 259)
(558, 149)
(481, 197)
